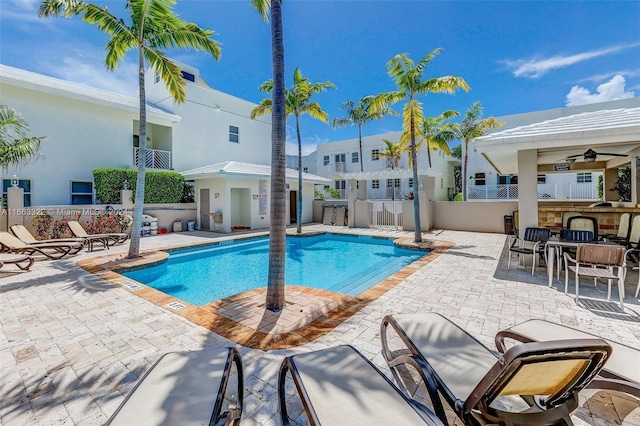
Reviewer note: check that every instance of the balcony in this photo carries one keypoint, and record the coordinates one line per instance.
(156, 158)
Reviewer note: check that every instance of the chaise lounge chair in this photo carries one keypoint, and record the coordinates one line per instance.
(340, 386)
(52, 251)
(108, 238)
(23, 234)
(622, 372)
(22, 261)
(185, 388)
(533, 383)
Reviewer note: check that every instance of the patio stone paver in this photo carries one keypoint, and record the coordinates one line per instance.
(72, 345)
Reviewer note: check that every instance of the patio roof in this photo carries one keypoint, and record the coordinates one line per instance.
(614, 131)
(237, 169)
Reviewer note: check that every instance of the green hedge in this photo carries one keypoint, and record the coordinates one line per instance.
(160, 186)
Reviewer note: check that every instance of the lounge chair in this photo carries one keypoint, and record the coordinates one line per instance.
(22, 261)
(185, 388)
(110, 238)
(27, 237)
(621, 373)
(52, 251)
(340, 386)
(533, 383)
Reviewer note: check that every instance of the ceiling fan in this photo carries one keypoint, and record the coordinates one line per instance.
(590, 156)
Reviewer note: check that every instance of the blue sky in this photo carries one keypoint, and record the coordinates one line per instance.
(516, 56)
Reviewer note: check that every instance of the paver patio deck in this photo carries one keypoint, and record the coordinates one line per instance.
(72, 345)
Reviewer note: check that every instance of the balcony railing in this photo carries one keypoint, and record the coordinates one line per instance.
(156, 158)
(546, 191)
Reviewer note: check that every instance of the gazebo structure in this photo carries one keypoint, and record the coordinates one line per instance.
(603, 140)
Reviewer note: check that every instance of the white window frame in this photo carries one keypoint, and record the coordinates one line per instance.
(375, 184)
(584, 177)
(81, 193)
(27, 195)
(232, 133)
(325, 160)
(375, 154)
(355, 157)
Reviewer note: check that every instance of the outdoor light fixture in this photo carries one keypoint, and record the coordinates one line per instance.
(590, 156)
(14, 181)
(125, 185)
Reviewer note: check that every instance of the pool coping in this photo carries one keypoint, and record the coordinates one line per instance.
(206, 316)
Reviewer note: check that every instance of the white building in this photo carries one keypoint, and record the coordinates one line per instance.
(340, 161)
(485, 181)
(88, 128)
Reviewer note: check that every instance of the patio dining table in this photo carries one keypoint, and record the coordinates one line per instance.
(556, 243)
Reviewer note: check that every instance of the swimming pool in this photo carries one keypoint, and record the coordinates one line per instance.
(339, 263)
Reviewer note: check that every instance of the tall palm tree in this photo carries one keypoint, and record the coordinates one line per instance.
(16, 147)
(359, 115)
(297, 103)
(408, 78)
(436, 134)
(473, 126)
(393, 153)
(153, 26)
(278, 212)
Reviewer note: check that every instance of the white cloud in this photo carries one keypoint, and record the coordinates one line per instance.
(309, 144)
(537, 67)
(599, 77)
(608, 91)
(21, 10)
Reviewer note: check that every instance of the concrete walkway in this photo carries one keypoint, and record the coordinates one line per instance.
(73, 345)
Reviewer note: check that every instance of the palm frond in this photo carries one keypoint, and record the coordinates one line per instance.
(168, 71)
(263, 108)
(19, 151)
(188, 37)
(263, 7)
(314, 110)
(66, 8)
(342, 122)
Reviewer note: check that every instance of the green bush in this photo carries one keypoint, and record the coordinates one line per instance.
(160, 186)
(458, 197)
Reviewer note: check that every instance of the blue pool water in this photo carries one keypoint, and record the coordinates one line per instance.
(344, 264)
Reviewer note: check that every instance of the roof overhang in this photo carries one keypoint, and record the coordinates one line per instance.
(385, 174)
(237, 170)
(608, 131)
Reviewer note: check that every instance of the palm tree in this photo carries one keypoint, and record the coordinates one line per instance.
(153, 26)
(16, 148)
(393, 153)
(298, 102)
(277, 213)
(359, 115)
(408, 78)
(436, 134)
(473, 126)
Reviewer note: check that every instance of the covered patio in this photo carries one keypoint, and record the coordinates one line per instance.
(604, 140)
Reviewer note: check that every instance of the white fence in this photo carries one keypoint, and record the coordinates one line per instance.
(156, 158)
(386, 214)
(546, 191)
(583, 191)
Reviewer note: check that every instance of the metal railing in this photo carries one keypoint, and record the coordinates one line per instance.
(386, 214)
(156, 158)
(546, 191)
(583, 191)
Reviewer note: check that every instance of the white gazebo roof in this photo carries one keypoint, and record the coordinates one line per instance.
(609, 131)
(237, 169)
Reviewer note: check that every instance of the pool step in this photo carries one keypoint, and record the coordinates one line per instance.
(368, 277)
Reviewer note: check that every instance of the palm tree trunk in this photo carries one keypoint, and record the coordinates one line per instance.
(416, 198)
(464, 172)
(360, 146)
(299, 210)
(277, 234)
(134, 245)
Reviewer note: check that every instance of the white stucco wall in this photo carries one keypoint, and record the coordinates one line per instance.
(81, 136)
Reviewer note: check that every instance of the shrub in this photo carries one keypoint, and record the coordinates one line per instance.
(188, 193)
(107, 222)
(160, 186)
(47, 229)
(458, 197)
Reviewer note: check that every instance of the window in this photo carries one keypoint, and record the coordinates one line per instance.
(340, 158)
(355, 157)
(188, 76)
(341, 184)
(480, 179)
(81, 192)
(393, 183)
(157, 78)
(305, 169)
(325, 160)
(375, 184)
(503, 180)
(584, 177)
(441, 183)
(234, 134)
(542, 178)
(25, 184)
(410, 182)
(375, 154)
